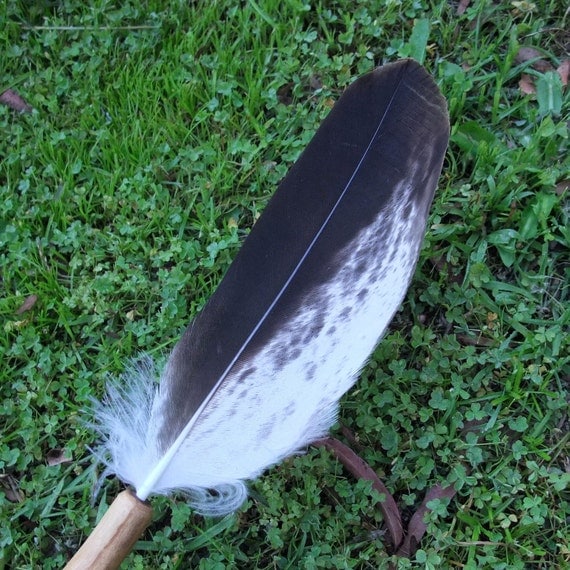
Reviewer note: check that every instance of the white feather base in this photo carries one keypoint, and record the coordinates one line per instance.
(122, 420)
(124, 423)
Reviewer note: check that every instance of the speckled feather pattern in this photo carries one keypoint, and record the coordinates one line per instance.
(312, 333)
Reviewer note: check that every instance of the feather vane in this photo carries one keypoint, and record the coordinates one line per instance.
(258, 374)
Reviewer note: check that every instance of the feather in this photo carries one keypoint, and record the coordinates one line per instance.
(258, 374)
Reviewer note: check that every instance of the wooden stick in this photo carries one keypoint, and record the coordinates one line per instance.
(114, 536)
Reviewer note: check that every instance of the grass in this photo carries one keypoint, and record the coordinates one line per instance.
(156, 139)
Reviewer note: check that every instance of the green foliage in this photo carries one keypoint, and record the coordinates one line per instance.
(157, 136)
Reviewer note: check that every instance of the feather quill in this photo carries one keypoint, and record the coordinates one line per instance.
(258, 374)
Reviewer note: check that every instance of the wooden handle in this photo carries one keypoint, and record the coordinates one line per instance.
(115, 536)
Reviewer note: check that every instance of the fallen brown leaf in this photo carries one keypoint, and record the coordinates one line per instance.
(361, 470)
(10, 487)
(562, 186)
(530, 53)
(526, 84)
(11, 99)
(28, 304)
(285, 94)
(315, 82)
(350, 436)
(468, 340)
(564, 71)
(462, 6)
(57, 456)
(417, 527)
(526, 53)
(405, 543)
